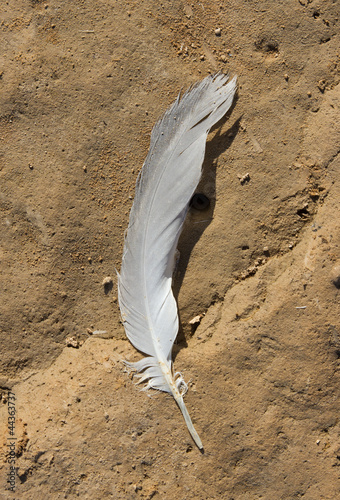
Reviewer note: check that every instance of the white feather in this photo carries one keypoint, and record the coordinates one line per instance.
(167, 181)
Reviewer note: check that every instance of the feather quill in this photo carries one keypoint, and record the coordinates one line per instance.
(164, 187)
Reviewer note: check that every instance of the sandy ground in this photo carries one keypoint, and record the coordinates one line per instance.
(81, 85)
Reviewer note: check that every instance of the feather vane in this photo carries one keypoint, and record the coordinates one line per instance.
(164, 187)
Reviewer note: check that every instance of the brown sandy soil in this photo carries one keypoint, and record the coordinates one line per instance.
(81, 86)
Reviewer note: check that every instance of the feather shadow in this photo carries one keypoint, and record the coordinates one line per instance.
(195, 225)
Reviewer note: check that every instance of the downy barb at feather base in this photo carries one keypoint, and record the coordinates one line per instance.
(164, 187)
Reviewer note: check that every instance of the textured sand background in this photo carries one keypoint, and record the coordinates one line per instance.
(81, 85)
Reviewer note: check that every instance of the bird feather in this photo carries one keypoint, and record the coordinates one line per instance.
(164, 187)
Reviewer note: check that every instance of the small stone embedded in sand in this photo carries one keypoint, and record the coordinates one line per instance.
(335, 274)
(322, 85)
(107, 284)
(73, 342)
(218, 31)
(244, 178)
(196, 320)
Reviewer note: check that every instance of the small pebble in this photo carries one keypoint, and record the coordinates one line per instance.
(286, 77)
(321, 85)
(244, 178)
(335, 274)
(218, 31)
(196, 320)
(73, 342)
(107, 284)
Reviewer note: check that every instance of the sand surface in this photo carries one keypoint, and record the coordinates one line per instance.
(81, 85)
